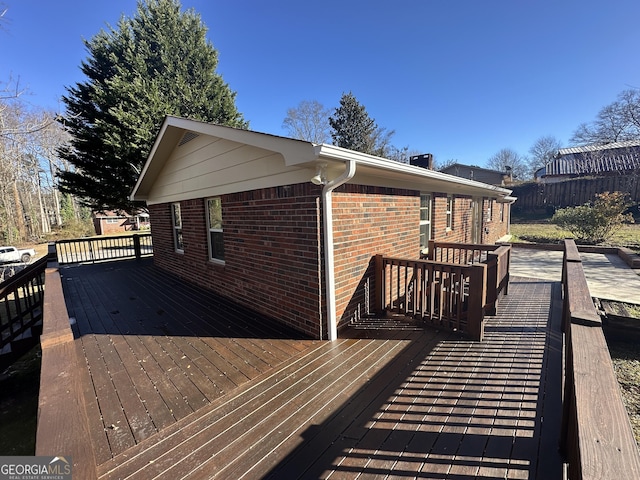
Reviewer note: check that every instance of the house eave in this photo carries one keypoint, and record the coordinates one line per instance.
(411, 174)
(303, 154)
(173, 128)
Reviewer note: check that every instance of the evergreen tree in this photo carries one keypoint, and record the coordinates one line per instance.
(352, 127)
(156, 63)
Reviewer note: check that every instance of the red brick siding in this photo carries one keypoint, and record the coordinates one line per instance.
(273, 244)
(369, 221)
(461, 229)
(494, 228)
(271, 240)
(102, 227)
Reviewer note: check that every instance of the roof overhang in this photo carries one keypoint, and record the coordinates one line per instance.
(369, 169)
(173, 129)
(409, 176)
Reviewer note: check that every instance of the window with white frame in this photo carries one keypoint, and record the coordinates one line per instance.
(502, 212)
(214, 224)
(425, 220)
(449, 212)
(489, 209)
(176, 219)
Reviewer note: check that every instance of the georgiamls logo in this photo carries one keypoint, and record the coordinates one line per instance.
(35, 468)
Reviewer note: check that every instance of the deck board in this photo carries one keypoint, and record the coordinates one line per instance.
(218, 418)
(200, 388)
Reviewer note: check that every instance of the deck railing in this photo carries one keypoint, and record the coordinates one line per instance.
(62, 418)
(21, 298)
(496, 257)
(445, 295)
(463, 253)
(597, 438)
(104, 248)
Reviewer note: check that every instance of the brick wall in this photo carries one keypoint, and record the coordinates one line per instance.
(273, 246)
(369, 221)
(461, 227)
(496, 222)
(271, 239)
(102, 227)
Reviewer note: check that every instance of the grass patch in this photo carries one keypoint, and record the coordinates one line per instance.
(542, 231)
(537, 233)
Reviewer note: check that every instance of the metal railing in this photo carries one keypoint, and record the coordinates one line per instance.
(96, 249)
(21, 298)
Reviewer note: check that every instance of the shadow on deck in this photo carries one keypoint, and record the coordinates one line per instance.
(180, 384)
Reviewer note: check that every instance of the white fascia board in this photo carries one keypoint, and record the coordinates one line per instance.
(143, 174)
(411, 171)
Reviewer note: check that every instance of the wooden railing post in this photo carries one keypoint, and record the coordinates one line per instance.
(477, 294)
(379, 284)
(431, 250)
(492, 283)
(497, 276)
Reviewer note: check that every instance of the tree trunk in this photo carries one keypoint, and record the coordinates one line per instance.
(56, 198)
(44, 219)
(19, 211)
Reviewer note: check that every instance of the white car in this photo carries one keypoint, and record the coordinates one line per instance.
(14, 255)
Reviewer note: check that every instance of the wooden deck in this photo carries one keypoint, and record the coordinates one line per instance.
(180, 384)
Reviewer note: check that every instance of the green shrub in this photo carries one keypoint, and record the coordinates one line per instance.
(597, 221)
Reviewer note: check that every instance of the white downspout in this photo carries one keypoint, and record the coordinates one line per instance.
(332, 322)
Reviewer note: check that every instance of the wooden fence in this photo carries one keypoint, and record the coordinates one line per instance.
(597, 438)
(97, 249)
(21, 298)
(577, 191)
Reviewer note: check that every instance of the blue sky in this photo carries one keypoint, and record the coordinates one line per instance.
(460, 79)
